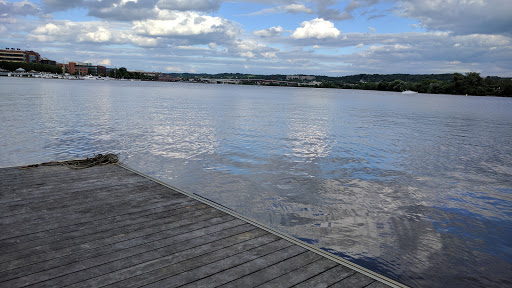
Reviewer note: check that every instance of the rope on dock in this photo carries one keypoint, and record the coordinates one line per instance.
(99, 159)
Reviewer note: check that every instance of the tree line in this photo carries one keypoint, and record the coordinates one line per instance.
(12, 66)
(470, 83)
(123, 73)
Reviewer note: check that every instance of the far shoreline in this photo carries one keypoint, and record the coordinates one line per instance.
(242, 83)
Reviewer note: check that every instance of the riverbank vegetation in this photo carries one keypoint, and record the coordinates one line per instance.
(453, 83)
(12, 66)
(123, 73)
(470, 83)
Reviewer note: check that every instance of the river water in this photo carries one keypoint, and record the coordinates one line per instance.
(415, 187)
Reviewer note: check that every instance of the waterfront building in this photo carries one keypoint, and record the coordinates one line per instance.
(96, 70)
(83, 68)
(300, 77)
(152, 74)
(47, 61)
(168, 78)
(18, 55)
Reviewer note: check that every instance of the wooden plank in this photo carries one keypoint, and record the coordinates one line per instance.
(19, 207)
(356, 280)
(258, 271)
(87, 205)
(174, 213)
(93, 267)
(103, 211)
(377, 284)
(181, 269)
(93, 226)
(198, 247)
(327, 278)
(53, 173)
(7, 195)
(88, 198)
(298, 275)
(64, 178)
(60, 185)
(122, 249)
(93, 246)
(66, 192)
(261, 257)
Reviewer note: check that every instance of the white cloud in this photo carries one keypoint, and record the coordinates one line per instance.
(173, 69)
(105, 62)
(270, 32)
(187, 24)
(63, 28)
(325, 12)
(187, 5)
(269, 55)
(60, 5)
(291, 8)
(297, 8)
(251, 49)
(247, 54)
(179, 69)
(99, 35)
(432, 52)
(89, 32)
(317, 28)
(461, 16)
(9, 11)
(121, 10)
(360, 45)
(131, 10)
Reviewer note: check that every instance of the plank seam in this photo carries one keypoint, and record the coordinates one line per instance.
(105, 245)
(116, 251)
(292, 271)
(188, 259)
(263, 268)
(53, 230)
(326, 271)
(241, 252)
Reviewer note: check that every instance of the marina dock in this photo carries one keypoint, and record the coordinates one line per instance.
(112, 226)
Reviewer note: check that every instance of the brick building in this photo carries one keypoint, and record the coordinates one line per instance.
(18, 55)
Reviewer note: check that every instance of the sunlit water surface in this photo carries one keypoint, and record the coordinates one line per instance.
(416, 187)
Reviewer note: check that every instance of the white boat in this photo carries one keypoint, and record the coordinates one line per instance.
(408, 92)
(74, 77)
(90, 77)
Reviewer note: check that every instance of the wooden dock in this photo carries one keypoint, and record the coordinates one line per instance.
(111, 226)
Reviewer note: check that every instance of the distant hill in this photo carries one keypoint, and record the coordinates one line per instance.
(471, 83)
(353, 79)
(342, 79)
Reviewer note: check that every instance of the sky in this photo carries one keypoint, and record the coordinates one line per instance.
(313, 37)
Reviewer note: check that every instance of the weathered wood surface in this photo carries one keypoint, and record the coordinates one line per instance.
(108, 226)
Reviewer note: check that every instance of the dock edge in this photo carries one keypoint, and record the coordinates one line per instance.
(339, 260)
